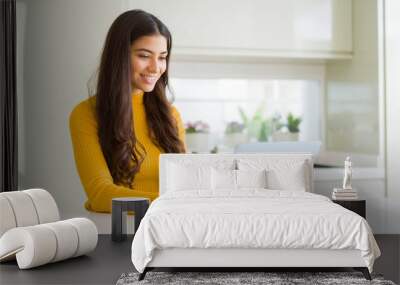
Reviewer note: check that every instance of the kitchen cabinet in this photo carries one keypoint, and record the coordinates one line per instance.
(257, 28)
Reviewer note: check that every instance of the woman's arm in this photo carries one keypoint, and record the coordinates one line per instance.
(91, 165)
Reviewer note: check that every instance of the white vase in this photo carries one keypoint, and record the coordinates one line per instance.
(284, 136)
(198, 142)
(234, 139)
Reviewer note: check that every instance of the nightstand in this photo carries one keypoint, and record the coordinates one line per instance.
(357, 206)
(120, 208)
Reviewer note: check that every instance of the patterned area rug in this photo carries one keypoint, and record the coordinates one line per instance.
(230, 278)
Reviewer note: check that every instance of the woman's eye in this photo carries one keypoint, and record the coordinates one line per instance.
(143, 56)
(163, 58)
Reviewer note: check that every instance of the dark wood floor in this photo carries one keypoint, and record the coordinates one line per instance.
(389, 262)
(110, 260)
(102, 266)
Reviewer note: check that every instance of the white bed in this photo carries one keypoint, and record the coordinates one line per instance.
(199, 224)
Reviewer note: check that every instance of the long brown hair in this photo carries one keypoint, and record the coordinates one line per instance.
(124, 154)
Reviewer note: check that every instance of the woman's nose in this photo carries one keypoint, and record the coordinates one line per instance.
(153, 66)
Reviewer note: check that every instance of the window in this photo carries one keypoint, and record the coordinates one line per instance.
(214, 92)
(255, 108)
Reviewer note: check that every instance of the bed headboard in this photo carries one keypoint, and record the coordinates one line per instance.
(215, 159)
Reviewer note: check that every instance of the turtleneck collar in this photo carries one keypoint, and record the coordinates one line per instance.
(137, 97)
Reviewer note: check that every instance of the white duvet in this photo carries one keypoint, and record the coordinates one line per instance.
(250, 219)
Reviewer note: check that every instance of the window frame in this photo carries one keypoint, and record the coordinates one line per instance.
(270, 70)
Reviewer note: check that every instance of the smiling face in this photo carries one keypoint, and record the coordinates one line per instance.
(148, 62)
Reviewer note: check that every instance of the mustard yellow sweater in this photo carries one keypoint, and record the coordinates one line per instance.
(91, 164)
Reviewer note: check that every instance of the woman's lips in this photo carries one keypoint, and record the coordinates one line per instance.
(149, 79)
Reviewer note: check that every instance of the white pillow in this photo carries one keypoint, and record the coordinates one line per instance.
(188, 177)
(251, 178)
(282, 174)
(293, 180)
(227, 179)
(223, 179)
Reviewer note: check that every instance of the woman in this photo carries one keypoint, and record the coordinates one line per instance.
(118, 134)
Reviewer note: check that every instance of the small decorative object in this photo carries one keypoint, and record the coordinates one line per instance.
(276, 122)
(286, 132)
(197, 127)
(214, 150)
(258, 128)
(293, 123)
(265, 130)
(347, 174)
(234, 127)
(283, 136)
(346, 192)
(120, 208)
(197, 136)
(234, 134)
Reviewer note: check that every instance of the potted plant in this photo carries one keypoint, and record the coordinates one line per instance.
(265, 130)
(258, 128)
(293, 124)
(288, 131)
(234, 134)
(197, 136)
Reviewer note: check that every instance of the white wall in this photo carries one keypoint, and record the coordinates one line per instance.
(61, 48)
(392, 86)
(62, 44)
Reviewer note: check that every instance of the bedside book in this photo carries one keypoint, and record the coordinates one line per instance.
(344, 194)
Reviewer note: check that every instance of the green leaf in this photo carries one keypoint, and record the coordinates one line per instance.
(243, 116)
(293, 123)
